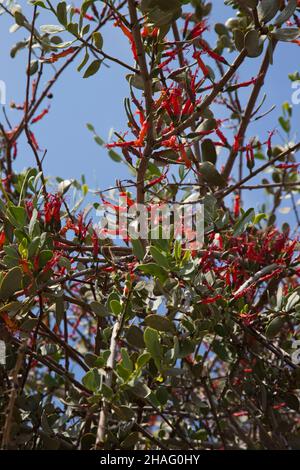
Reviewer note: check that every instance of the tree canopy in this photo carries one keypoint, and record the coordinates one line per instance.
(189, 340)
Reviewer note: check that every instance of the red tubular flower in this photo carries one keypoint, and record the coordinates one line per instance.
(129, 36)
(156, 181)
(186, 23)
(52, 208)
(54, 57)
(236, 144)
(139, 142)
(243, 84)
(205, 70)
(184, 156)
(287, 166)
(210, 300)
(272, 275)
(15, 149)
(221, 136)
(40, 116)
(86, 16)
(81, 228)
(52, 263)
(34, 141)
(25, 266)
(148, 32)
(238, 414)
(2, 238)
(198, 30)
(237, 205)
(269, 141)
(279, 406)
(172, 102)
(211, 53)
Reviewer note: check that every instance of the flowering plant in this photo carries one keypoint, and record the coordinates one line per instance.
(143, 342)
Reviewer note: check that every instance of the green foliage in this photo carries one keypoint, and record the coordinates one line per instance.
(153, 343)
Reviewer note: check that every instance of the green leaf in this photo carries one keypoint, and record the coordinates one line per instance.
(154, 270)
(126, 361)
(115, 307)
(142, 360)
(208, 150)
(285, 124)
(82, 64)
(151, 338)
(130, 440)
(90, 127)
(162, 395)
(11, 283)
(125, 413)
(17, 216)
(160, 323)
(33, 68)
(253, 43)
(92, 380)
(92, 68)
(286, 34)
(20, 18)
(99, 309)
(134, 336)
(211, 174)
(258, 218)
(267, 9)
(138, 249)
(61, 12)
(242, 224)
(39, 3)
(159, 257)
(114, 156)
(98, 39)
(292, 301)
(44, 257)
(51, 28)
(239, 39)
(286, 12)
(207, 125)
(274, 327)
(98, 140)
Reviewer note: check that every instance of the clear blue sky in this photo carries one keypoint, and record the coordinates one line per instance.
(71, 150)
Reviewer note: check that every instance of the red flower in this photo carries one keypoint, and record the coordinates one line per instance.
(237, 205)
(287, 166)
(88, 17)
(148, 32)
(2, 238)
(205, 70)
(54, 57)
(129, 36)
(40, 116)
(52, 208)
(198, 30)
(210, 300)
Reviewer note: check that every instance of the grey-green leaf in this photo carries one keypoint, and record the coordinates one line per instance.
(92, 68)
(267, 9)
(12, 282)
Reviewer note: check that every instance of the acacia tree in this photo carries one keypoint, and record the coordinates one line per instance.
(147, 343)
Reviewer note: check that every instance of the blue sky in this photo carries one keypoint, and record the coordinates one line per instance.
(71, 150)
